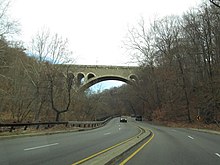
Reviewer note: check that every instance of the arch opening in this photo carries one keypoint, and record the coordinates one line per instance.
(105, 85)
(90, 75)
(133, 77)
(80, 79)
(105, 78)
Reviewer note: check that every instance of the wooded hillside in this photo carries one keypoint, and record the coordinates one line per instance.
(181, 56)
(180, 79)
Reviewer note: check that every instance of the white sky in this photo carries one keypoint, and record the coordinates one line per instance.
(95, 28)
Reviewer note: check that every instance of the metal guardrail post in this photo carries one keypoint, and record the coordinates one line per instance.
(25, 128)
(38, 126)
(11, 129)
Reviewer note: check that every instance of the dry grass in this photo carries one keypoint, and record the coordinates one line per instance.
(196, 124)
(41, 130)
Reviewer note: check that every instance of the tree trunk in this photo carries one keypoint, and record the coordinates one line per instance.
(57, 115)
(184, 88)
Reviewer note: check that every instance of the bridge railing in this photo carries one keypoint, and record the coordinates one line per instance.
(79, 124)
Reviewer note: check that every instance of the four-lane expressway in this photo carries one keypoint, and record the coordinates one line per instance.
(164, 146)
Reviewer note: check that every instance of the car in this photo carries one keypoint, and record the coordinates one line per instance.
(133, 115)
(138, 118)
(123, 120)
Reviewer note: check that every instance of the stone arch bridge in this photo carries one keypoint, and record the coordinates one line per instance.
(87, 75)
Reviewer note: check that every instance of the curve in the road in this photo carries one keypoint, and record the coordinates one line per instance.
(139, 149)
(64, 148)
(178, 146)
(109, 148)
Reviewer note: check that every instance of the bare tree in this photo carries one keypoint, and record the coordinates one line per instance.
(215, 2)
(52, 51)
(7, 26)
(140, 42)
(19, 96)
(60, 89)
(40, 45)
(181, 60)
(50, 47)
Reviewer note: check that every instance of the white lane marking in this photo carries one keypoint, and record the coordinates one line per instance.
(48, 145)
(173, 130)
(190, 137)
(119, 128)
(107, 133)
(217, 154)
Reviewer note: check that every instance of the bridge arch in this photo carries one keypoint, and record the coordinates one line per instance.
(96, 80)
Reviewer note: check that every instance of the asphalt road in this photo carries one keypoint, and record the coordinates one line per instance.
(170, 146)
(64, 148)
(176, 146)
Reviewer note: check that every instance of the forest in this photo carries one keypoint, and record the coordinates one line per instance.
(181, 59)
(179, 80)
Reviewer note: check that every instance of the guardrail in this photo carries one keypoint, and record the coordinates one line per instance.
(88, 123)
(83, 124)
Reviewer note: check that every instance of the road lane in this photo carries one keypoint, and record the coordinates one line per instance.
(38, 147)
(70, 147)
(173, 146)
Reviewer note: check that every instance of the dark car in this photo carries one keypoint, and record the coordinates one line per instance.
(133, 115)
(123, 120)
(138, 118)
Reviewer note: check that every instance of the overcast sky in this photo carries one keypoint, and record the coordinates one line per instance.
(95, 28)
